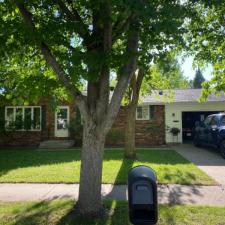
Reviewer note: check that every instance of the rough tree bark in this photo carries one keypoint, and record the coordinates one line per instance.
(97, 125)
(134, 92)
(89, 202)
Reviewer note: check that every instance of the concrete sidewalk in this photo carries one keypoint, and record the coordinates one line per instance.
(167, 194)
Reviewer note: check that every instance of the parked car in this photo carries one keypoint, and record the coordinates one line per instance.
(211, 132)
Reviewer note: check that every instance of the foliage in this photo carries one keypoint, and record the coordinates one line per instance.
(76, 128)
(198, 79)
(174, 131)
(115, 135)
(76, 125)
(153, 128)
(25, 125)
(2, 120)
(207, 44)
(166, 74)
(24, 72)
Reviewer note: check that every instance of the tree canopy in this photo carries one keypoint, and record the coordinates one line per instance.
(66, 30)
(167, 74)
(206, 40)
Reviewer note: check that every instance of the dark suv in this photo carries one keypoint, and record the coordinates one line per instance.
(211, 132)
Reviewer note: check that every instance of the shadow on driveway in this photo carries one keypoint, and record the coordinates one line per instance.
(207, 159)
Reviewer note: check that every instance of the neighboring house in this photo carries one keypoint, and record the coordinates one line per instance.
(31, 125)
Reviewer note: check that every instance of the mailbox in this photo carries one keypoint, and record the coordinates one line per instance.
(142, 196)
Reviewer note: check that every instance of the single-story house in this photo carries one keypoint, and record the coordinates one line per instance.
(155, 116)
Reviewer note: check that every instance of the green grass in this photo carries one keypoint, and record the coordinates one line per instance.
(64, 166)
(56, 213)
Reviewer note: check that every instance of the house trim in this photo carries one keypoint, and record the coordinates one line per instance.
(68, 121)
(23, 109)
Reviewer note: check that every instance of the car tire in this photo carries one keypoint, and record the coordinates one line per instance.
(196, 141)
(222, 148)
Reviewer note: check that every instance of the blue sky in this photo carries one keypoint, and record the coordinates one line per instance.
(189, 71)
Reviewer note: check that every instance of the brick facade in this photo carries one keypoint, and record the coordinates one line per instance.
(148, 132)
(33, 138)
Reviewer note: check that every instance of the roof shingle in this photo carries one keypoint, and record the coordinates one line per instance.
(179, 95)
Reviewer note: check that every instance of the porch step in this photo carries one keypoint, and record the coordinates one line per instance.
(56, 144)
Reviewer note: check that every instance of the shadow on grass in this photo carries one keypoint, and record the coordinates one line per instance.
(160, 160)
(150, 156)
(180, 177)
(56, 213)
(120, 194)
(13, 159)
(114, 214)
(51, 213)
(45, 212)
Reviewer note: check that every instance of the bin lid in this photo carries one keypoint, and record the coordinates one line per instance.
(139, 172)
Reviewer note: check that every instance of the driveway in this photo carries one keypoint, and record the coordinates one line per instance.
(207, 159)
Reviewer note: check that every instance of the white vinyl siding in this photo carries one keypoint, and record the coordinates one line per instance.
(23, 118)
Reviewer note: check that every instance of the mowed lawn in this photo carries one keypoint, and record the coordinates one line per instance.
(64, 166)
(56, 213)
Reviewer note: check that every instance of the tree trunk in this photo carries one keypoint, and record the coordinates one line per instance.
(89, 201)
(135, 86)
(129, 151)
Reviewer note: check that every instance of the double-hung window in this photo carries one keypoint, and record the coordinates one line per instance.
(23, 118)
(145, 112)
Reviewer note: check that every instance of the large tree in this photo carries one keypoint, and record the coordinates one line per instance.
(165, 73)
(52, 48)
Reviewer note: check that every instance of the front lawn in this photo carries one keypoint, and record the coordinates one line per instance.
(56, 213)
(64, 166)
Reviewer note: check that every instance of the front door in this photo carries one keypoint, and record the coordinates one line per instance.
(62, 121)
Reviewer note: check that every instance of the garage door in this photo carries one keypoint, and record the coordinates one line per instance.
(188, 122)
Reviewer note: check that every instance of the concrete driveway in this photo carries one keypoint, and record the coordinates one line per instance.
(207, 159)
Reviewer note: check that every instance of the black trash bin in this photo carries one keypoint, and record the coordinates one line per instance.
(142, 196)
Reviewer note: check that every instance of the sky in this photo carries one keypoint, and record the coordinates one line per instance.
(189, 71)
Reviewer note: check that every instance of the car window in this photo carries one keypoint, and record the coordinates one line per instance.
(222, 121)
(214, 121)
(207, 120)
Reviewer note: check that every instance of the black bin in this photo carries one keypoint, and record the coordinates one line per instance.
(142, 196)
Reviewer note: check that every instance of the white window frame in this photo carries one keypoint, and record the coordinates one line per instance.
(142, 106)
(23, 110)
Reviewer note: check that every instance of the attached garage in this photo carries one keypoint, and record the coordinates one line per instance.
(189, 120)
(184, 110)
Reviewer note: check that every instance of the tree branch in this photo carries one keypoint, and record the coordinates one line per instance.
(126, 73)
(119, 28)
(75, 17)
(49, 58)
(105, 72)
(140, 76)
